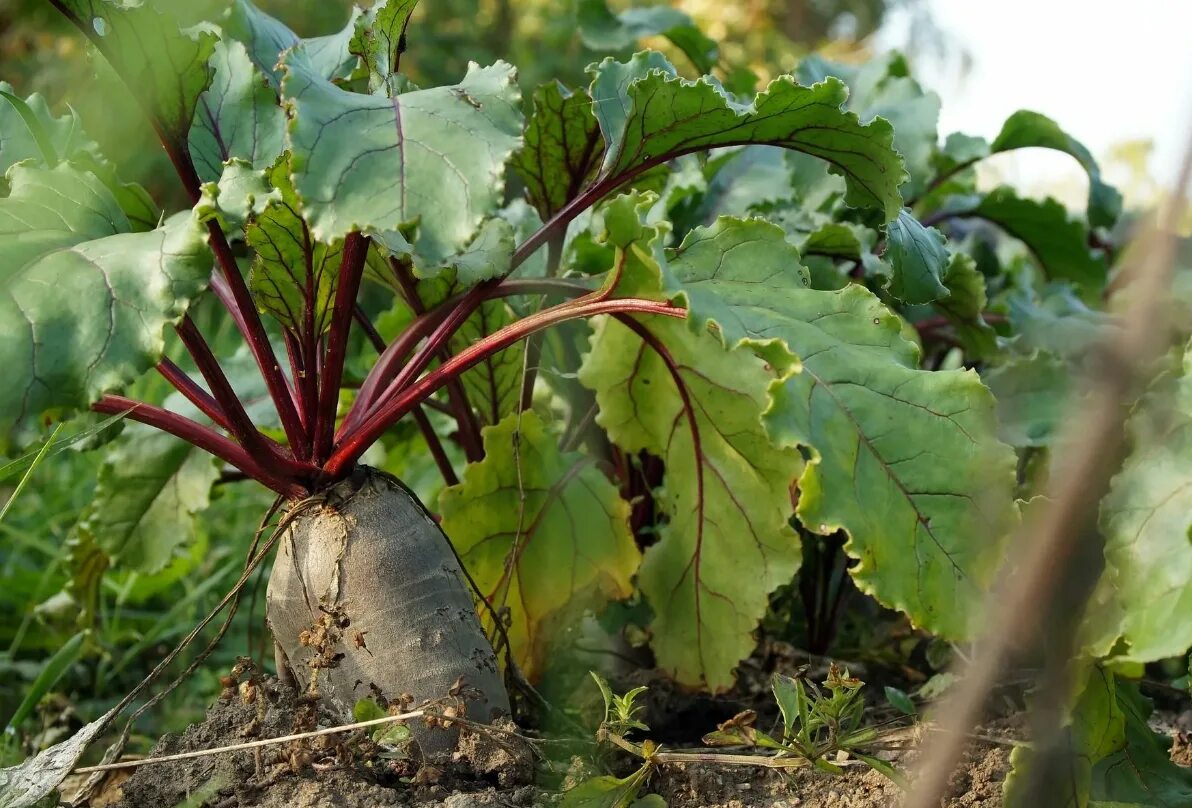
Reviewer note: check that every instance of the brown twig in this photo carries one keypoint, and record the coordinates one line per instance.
(240, 747)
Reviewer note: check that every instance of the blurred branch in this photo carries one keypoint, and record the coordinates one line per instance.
(1017, 608)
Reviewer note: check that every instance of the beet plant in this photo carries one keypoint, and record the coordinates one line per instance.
(676, 329)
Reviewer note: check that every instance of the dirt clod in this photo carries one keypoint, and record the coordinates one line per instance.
(501, 755)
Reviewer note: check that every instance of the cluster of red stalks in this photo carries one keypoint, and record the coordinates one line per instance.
(317, 452)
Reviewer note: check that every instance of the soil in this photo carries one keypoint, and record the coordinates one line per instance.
(332, 771)
(497, 769)
(978, 785)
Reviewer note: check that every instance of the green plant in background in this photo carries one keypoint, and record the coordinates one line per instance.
(704, 327)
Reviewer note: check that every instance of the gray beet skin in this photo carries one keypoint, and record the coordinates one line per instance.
(368, 574)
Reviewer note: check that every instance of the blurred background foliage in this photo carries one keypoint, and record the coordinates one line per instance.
(40, 53)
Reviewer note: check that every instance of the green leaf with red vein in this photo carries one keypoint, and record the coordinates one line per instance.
(564, 548)
(563, 148)
(379, 41)
(906, 461)
(494, 384)
(648, 114)
(294, 275)
(83, 302)
(238, 116)
(726, 543)
(432, 158)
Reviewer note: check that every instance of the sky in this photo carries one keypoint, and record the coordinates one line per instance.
(1106, 70)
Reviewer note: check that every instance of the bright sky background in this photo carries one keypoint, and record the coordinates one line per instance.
(1106, 70)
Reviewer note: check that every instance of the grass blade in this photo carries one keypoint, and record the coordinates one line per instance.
(29, 472)
(27, 461)
(57, 665)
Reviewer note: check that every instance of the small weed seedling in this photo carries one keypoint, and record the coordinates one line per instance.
(620, 712)
(817, 723)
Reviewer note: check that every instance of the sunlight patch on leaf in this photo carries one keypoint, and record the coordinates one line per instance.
(568, 548)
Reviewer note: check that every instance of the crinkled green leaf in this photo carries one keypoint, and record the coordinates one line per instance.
(726, 543)
(563, 148)
(432, 157)
(295, 275)
(648, 114)
(918, 259)
(379, 41)
(958, 151)
(964, 306)
(489, 255)
(751, 180)
(238, 116)
(1026, 129)
(142, 212)
(882, 87)
(1146, 518)
(837, 240)
(1056, 241)
(267, 38)
(149, 490)
(906, 461)
(83, 303)
(239, 196)
(602, 30)
(914, 113)
(159, 47)
(1032, 396)
(825, 247)
(64, 138)
(565, 546)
